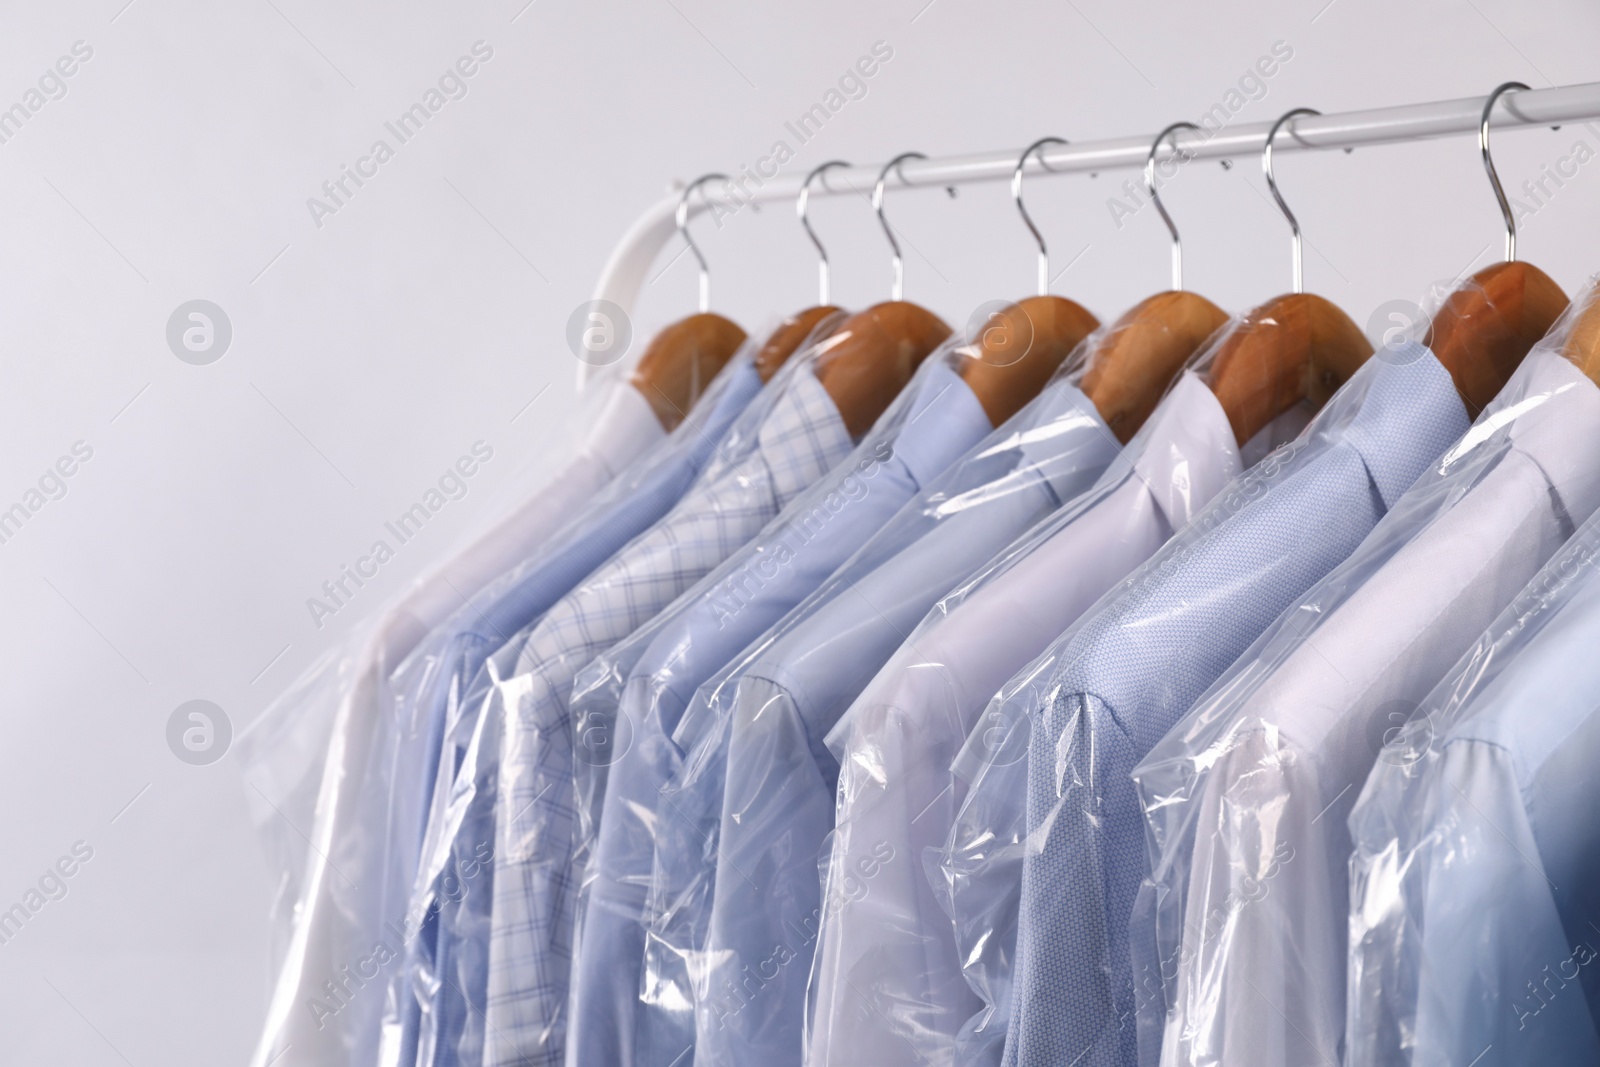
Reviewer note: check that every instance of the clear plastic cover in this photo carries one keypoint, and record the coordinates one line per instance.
(728, 959)
(1246, 798)
(1008, 477)
(627, 702)
(437, 1002)
(887, 986)
(531, 923)
(306, 758)
(1475, 882)
(1045, 856)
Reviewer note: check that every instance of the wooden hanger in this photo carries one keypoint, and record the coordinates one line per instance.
(1132, 364)
(1293, 349)
(1582, 345)
(1019, 348)
(871, 357)
(681, 360)
(793, 331)
(1486, 327)
(788, 337)
(1489, 324)
(873, 354)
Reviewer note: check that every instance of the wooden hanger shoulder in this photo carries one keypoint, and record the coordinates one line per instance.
(1582, 345)
(680, 362)
(1292, 349)
(1020, 349)
(789, 336)
(1132, 365)
(872, 355)
(1487, 325)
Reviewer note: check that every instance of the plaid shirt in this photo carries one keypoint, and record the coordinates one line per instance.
(534, 883)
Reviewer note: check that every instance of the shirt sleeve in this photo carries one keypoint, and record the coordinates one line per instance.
(766, 909)
(887, 986)
(1466, 950)
(1259, 978)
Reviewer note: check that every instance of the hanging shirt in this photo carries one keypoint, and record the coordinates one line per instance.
(529, 950)
(1253, 787)
(340, 701)
(1475, 884)
(666, 659)
(1119, 678)
(888, 987)
(430, 683)
(776, 806)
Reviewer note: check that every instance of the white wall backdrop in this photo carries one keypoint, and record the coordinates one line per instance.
(373, 345)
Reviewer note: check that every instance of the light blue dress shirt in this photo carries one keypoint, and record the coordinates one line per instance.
(534, 893)
(1135, 664)
(665, 660)
(776, 804)
(435, 679)
(1475, 888)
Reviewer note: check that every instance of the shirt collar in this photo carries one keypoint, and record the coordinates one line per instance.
(1553, 416)
(1056, 426)
(1188, 424)
(729, 393)
(943, 419)
(1410, 408)
(803, 425)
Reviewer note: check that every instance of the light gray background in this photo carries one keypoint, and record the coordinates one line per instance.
(370, 352)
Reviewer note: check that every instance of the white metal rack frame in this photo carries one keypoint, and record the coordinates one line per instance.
(626, 270)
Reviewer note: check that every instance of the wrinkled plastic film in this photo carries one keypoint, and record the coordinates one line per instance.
(635, 692)
(448, 965)
(318, 736)
(1468, 929)
(1051, 450)
(1473, 881)
(990, 847)
(597, 691)
(1246, 798)
(798, 441)
(888, 981)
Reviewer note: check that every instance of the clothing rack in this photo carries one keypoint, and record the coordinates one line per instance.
(626, 269)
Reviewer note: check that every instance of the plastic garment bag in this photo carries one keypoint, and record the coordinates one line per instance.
(887, 985)
(800, 438)
(626, 703)
(757, 779)
(413, 765)
(1475, 884)
(1246, 799)
(307, 758)
(441, 995)
(1047, 852)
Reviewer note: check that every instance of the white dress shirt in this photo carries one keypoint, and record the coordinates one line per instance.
(314, 742)
(1275, 754)
(887, 987)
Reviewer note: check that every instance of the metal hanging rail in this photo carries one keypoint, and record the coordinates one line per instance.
(625, 272)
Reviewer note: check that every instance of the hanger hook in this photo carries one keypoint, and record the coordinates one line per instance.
(1016, 194)
(1266, 165)
(683, 228)
(898, 290)
(1488, 165)
(1150, 190)
(800, 209)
